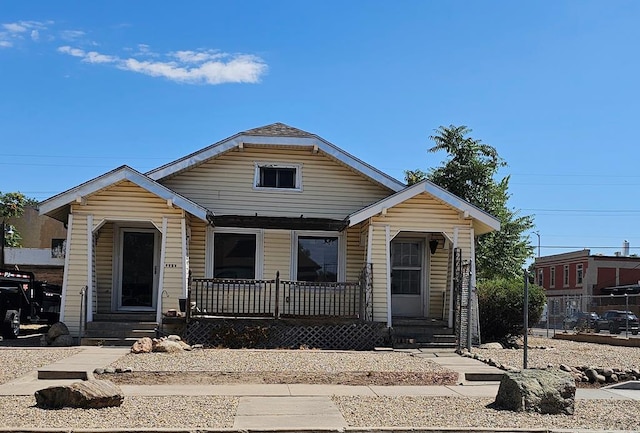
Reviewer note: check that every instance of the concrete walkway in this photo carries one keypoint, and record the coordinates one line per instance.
(287, 406)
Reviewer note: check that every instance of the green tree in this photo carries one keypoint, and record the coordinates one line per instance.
(11, 205)
(470, 172)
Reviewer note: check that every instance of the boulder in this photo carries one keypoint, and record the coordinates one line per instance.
(542, 391)
(490, 346)
(167, 346)
(90, 394)
(142, 345)
(55, 331)
(64, 340)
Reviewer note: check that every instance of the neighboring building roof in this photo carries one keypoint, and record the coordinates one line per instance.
(276, 134)
(56, 206)
(486, 222)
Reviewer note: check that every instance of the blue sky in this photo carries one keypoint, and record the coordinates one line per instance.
(553, 85)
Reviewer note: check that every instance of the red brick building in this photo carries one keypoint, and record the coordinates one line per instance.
(581, 273)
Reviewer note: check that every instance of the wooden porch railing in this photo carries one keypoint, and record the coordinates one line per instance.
(275, 298)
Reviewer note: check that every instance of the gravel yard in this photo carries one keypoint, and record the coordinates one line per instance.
(544, 351)
(18, 362)
(402, 412)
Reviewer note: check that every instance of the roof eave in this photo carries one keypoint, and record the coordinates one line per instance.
(50, 206)
(235, 141)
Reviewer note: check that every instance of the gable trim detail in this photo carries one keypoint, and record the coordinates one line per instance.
(313, 142)
(119, 174)
(434, 190)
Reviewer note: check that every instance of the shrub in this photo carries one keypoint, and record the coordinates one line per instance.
(501, 307)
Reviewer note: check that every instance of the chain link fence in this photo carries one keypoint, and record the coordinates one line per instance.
(562, 312)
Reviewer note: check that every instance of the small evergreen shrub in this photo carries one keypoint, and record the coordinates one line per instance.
(501, 308)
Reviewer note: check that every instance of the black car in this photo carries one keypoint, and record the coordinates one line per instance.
(583, 320)
(619, 320)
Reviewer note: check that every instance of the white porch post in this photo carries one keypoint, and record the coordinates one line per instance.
(387, 241)
(89, 268)
(163, 250)
(65, 271)
(451, 291)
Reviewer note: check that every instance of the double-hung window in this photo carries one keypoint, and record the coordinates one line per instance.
(278, 176)
(552, 277)
(565, 276)
(235, 254)
(318, 257)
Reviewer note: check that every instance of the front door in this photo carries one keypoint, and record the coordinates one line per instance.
(407, 278)
(138, 269)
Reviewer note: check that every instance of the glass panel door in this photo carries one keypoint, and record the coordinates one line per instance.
(137, 269)
(407, 278)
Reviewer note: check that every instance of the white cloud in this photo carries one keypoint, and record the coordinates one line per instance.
(95, 57)
(197, 56)
(75, 52)
(5, 44)
(15, 27)
(35, 35)
(14, 32)
(71, 35)
(191, 67)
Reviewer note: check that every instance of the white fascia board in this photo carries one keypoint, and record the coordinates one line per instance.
(432, 189)
(301, 142)
(115, 176)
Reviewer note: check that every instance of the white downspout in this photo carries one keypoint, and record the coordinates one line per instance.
(453, 268)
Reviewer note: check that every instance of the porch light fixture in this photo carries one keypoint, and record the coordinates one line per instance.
(433, 245)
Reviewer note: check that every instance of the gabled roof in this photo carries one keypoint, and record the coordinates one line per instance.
(55, 205)
(485, 222)
(276, 134)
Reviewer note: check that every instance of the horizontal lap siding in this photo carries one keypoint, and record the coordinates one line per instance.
(173, 276)
(197, 244)
(422, 214)
(379, 261)
(124, 202)
(104, 267)
(76, 273)
(277, 254)
(356, 251)
(225, 186)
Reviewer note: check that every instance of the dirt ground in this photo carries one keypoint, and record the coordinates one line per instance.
(266, 377)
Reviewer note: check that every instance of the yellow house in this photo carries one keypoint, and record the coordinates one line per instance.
(269, 201)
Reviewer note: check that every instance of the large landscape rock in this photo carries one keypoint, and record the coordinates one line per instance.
(90, 394)
(142, 345)
(542, 391)
(55, 331)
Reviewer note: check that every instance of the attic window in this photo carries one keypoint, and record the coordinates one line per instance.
(278, 176)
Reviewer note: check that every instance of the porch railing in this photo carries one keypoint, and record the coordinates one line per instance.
(278, 298)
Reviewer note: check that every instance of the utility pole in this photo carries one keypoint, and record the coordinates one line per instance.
(537, 233)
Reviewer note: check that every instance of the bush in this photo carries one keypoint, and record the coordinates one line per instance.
(501, 306)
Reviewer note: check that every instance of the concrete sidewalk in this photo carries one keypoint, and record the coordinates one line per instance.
(288, 406)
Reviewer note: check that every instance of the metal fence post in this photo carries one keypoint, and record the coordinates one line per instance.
(277, 306)
(526, 319)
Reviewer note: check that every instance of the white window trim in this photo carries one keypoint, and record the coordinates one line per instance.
(256, 175)
(540, 277)
(342, 251)
(552, 277)
(209, 254)
(579, 271)
(565, 276)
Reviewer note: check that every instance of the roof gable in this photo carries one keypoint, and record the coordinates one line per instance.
(486, 222)
(281, 135)
(52, 205)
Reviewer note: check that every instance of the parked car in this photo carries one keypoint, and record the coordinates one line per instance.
(617, 321)
(584, 320)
